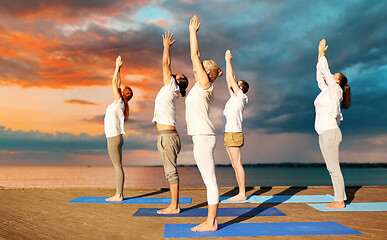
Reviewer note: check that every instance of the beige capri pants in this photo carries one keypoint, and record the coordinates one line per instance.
(168, 144)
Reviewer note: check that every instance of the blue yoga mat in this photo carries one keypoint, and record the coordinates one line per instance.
(135, 200)
(367, 207)
(222, 212)
(261, 229)
(283, 199)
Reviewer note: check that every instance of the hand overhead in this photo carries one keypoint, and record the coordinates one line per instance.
(321, 46)
(193, 24)
(167, 39)
(119, 62)
(228, 55)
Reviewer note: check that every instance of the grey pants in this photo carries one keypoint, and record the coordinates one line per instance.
(168, 144)
(329, 144)
(114, 145)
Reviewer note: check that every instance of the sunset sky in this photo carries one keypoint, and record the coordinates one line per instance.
(57, 59)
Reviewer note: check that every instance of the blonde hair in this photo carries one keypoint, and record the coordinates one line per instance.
(214, 70)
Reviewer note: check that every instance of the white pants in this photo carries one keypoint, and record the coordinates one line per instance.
(203, 150)
(329, 144)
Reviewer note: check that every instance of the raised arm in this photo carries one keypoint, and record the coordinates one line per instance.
(199, 72)
(167, 42)
(232, 85)
(320, 80)
(319, 77)
(116, 81)
(322, 65)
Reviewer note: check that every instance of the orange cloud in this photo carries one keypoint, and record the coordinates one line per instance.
(65, 11)
(48, 58)
(78, 101)
(23, 45)
(60, 68)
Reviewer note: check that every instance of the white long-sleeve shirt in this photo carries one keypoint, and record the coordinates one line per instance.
(327, 103)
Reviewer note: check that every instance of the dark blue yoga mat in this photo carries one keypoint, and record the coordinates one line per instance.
(261, 229)
(222, 212)
(354, 207)
(135, 200)
(283, 199)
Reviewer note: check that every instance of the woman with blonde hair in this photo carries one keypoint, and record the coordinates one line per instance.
(168, 140)
(199, 125)
(334, 89)
(116, 114)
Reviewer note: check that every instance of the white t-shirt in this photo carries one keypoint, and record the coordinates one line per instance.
(327, 103)
(114, 119)
(165, 109)
(197, 110)
(233, 112)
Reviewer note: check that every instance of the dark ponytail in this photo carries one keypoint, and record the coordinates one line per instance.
(346, 91)
(183, 84)
(346, 97)
(244, 86)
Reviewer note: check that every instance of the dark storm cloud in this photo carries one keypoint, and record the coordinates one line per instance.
(278, 42)
(63, 142)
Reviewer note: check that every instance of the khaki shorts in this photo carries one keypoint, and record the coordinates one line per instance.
(233, 139)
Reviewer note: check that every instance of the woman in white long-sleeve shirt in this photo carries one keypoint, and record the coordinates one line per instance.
(199, 125)
(334, 90)
(116, 114)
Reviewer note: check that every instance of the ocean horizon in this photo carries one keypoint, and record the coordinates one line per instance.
(286, 174)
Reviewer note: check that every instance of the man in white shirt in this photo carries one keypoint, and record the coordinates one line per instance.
(168, 140)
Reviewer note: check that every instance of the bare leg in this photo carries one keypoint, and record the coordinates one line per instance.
(211, 223)
(236, 162)
(174, 207)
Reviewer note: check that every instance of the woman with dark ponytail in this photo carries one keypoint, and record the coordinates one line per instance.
(334, 89)
(168, 141)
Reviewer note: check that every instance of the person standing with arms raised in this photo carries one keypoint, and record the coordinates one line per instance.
(233, 120)
(116, 114)
(334, 90)
(168, 140)
(200, 127)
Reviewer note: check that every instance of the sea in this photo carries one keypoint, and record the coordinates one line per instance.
(153, 176)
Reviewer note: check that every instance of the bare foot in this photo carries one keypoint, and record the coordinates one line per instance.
(169, 210)
(206, 227)
(335, 204)
(237, 198)
(115, 198)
